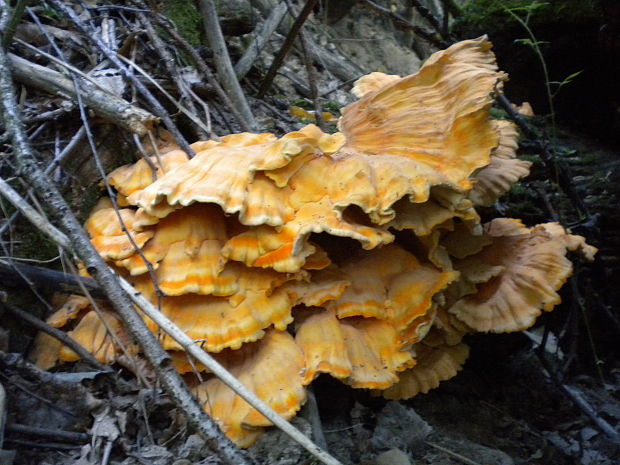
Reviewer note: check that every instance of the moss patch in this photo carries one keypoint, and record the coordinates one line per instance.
(186, 18)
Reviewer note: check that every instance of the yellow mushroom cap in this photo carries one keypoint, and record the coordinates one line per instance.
(323, 285)
(362, 352)
(102, 334)
(271, 368)
(372, 82)
(390, 283)
(533, 265)
(214, 176)
(434, 364)
(129, 179)
(443, 205)
(106, 231)
(185, 251)
(217, 323)
(446, 125)
(68, 311)
(494, 180)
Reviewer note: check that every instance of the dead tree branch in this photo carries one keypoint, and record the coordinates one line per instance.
(105, 104)
(441, 27)
(402, 23)
(243, 66)
(53, 434)
(222, 61)
(312, 81)
(76, 240)
(286, 47)
(45, 278)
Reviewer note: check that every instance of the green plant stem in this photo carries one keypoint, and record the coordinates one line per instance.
(543, 64)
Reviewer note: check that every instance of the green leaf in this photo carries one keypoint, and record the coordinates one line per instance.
(570, 77)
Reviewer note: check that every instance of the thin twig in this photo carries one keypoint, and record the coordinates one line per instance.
(312, 409)
(223, 64)
(56, 334)
(16, 17)
(577, 398)
(2, 414)
(288, 43)
(312, 76)
(5, 15)
(54, 434)
(42, 445)
(173, 70)
(451, 453)
(430, 17)
(445, 20)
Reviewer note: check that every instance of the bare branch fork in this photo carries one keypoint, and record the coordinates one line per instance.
(243, 66)
(288, 43)
(122, 295)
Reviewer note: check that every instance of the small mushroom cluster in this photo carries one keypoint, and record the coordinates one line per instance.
(358, 254)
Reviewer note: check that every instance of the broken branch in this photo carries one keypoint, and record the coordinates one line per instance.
(222, 61)
(243, 66)
(106, 105)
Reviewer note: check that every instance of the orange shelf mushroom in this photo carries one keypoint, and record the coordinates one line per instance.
(529, 266)
(358, 254)
(271, 368)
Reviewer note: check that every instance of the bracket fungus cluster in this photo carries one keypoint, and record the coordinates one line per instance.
(358, 254)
